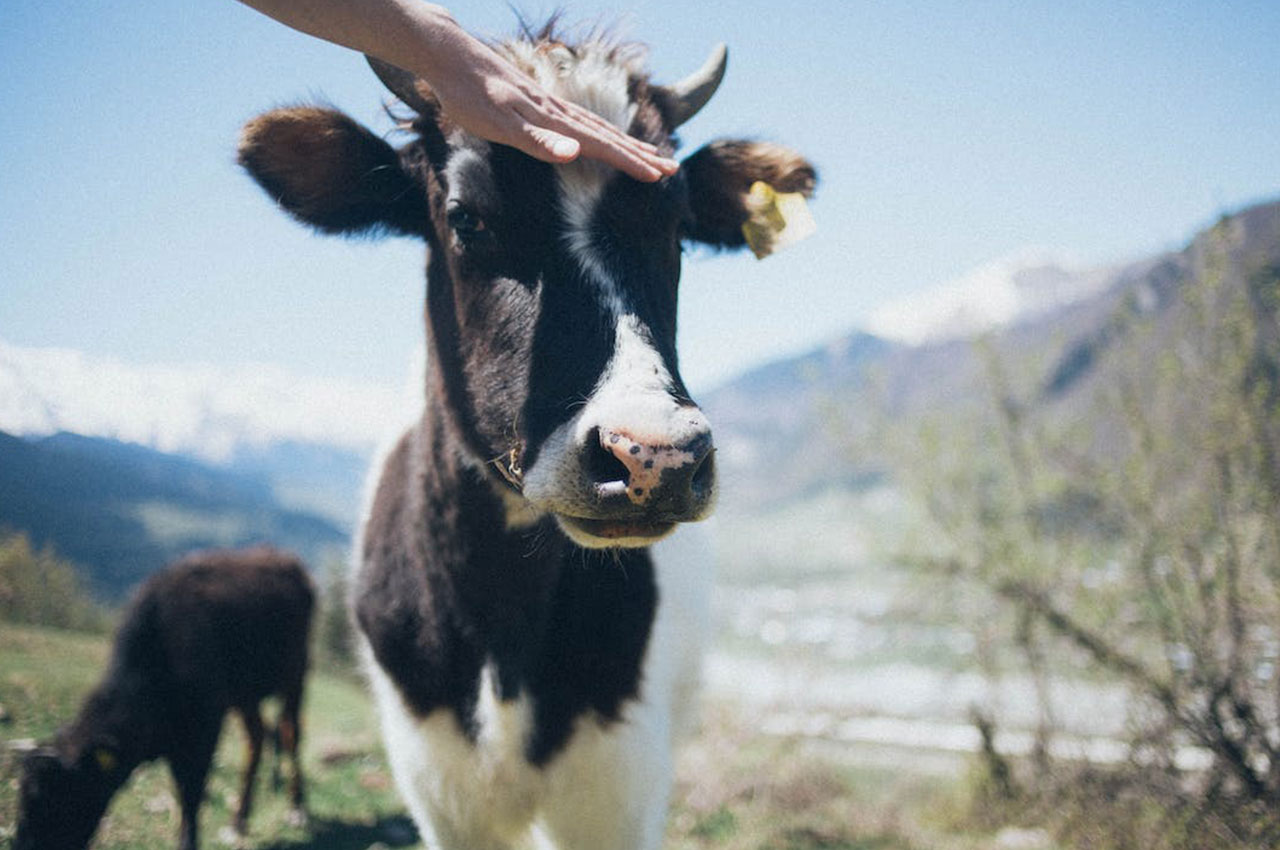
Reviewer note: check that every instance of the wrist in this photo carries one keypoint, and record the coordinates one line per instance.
(436, 15)
(440, 34)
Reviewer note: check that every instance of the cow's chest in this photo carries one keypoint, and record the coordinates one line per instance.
(513, 652)
(485, 766)
(479, 781)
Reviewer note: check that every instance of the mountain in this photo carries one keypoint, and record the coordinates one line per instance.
(770, 422)
(811, 425)
(201, 410)
(1008, 291)
(310, 438)
(796, 438)
(120, 511)
(306, 476)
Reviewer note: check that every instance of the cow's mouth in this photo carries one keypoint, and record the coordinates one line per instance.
(603, 533)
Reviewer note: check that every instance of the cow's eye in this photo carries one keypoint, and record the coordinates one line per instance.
(466, 225)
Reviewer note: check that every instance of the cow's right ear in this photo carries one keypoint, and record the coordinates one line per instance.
(331, 173)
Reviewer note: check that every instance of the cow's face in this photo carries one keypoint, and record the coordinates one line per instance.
(551, 296)
(62, 797)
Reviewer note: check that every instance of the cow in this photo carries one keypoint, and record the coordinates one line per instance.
(214, 631)
(531, 663)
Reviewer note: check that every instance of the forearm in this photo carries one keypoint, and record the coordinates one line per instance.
(481, 91)
(396, 31)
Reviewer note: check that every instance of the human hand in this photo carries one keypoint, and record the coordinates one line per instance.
(480, 90)
(486, 95)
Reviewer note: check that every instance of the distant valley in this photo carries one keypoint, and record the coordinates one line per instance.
(120, 511)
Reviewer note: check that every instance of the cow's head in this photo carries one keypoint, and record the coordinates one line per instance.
(551, 289)
(63, 793)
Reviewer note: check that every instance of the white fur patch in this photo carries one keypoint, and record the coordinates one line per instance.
(606, 790)
(633, 391)
(461, 795)
(594, 77)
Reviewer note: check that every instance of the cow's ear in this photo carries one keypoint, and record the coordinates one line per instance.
(720, 176)
(331, 173)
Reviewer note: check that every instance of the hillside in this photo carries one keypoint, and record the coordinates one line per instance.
(310, 437)
(812, 449)
(121, 511)
(807, 424)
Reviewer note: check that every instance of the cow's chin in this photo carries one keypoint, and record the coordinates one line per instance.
(613, 533)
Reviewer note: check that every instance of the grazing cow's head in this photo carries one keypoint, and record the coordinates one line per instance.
(62, 796)
(551, 294)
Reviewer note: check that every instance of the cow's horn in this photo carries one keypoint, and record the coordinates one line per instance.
(402, 84)
(692, 93)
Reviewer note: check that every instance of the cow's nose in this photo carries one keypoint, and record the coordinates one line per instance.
(674, 479)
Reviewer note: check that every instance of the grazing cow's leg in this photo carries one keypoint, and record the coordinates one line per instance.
(290, 734)
(189, 763)
(252, 718)
(277, 750)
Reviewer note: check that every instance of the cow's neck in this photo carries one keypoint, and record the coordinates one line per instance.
(565, 626)
(109, 721)
(500, 579)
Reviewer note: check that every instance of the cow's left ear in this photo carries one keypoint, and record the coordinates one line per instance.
(720, 176)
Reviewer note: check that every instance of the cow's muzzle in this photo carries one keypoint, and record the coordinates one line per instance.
(634, 487)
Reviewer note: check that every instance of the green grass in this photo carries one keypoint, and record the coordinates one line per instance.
(735, 789)
(739, 790)
(45, 673)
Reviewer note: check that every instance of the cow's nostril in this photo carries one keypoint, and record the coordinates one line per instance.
(704, 477)
(601, 465)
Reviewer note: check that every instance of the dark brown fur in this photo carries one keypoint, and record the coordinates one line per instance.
(724, 171)
(216, 631)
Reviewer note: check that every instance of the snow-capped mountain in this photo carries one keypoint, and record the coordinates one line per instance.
(209, 412)
(1003, 292)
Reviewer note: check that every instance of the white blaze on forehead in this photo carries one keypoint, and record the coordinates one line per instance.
(597, 77)
(466, 165)
(634, 397)
(594, 75)
(634, 390)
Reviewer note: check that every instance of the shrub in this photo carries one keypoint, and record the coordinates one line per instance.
(39, 588)
(1140, 542)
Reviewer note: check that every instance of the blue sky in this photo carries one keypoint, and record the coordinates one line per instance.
(946, 135)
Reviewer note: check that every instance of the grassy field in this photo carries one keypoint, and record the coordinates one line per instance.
(43, 676)
(736, 790)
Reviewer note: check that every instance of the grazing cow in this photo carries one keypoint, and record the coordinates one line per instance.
(530, 662)
(215, 631)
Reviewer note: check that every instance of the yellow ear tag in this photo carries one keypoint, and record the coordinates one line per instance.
(106, 759)
(777, 219)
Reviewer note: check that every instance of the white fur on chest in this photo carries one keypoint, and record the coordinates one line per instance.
(477, 792)
(607, 788)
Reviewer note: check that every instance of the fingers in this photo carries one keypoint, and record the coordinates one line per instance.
(489, 97)
(549, 146)
(611, 137)
(552, 130)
